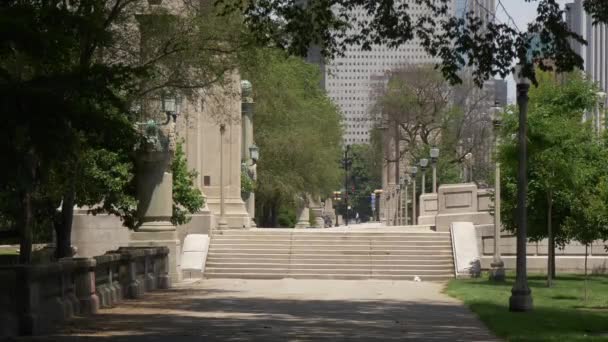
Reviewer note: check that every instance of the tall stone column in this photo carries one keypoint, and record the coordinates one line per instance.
(155, 194)
(247, 141)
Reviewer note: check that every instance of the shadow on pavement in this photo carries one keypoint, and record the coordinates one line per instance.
(216, 315)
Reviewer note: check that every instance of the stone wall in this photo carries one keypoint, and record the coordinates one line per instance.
(569, 259)
(36, 298)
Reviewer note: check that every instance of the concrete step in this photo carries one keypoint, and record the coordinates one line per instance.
(337, 251)
(337, 269)
(340, 261)
(431, 278)
(364, 242)
(298, 266)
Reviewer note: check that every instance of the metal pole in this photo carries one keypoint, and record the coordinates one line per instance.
(434, 178)
(405, 206)
(222, 222)
(497, 273)
(521, 297)
(414, 201)
(423, 182)
(346, 182)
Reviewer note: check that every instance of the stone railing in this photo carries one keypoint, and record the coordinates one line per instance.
(36, 298)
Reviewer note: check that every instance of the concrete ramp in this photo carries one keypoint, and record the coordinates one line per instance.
(467, 259)
(194, 255)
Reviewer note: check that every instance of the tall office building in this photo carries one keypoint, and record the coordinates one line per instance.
(350, 79)
(594, 54)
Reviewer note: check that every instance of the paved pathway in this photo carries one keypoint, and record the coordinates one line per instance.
(285, 310)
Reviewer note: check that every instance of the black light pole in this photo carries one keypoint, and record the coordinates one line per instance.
(346, 163)
(521, 296)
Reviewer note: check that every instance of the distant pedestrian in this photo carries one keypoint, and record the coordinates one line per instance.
(356, 217)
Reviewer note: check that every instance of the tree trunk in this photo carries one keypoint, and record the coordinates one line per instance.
(27, 216)
(551, 242)
(63, 228)
(586, 257)
(26, 234)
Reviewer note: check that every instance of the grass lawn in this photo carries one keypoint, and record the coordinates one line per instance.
(559, 314)
(8, 251)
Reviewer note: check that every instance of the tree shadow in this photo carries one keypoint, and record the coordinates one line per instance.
(216, 316)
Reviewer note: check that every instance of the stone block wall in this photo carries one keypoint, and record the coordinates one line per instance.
(35, 299)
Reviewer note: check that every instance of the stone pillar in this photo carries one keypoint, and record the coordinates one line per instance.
(84, 278)
(223, 105)
(303, 216)
(247, 140)
(155, 195)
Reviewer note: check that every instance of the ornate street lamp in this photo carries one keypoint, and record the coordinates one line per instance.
(171, 105)
(434, 157)
(497, 272)
(468, 161)
(222, 224)
(521, 296)
(346, 162)
(601, 99)
(254, 152)
(413, 170)
(423, 164)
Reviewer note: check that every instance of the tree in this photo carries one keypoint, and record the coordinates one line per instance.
(422, 111)
(187, 198)
(559, 151)
(297, 129)
(69, 73)
(364, 177)
(487, 47)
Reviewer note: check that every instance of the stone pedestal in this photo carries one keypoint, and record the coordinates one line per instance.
(155, 194)
(303, 217)
(428, 209)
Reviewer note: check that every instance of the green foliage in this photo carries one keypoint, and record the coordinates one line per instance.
(560, 313)
(487, 47)
(286, 217)
(187, 198)
(247, 183)
(365, 177)
(566, 163)
(312, 218)
(297, 129)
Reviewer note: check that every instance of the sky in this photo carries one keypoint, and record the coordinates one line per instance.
(522, 13)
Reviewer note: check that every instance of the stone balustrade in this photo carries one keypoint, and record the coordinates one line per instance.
(36, 298)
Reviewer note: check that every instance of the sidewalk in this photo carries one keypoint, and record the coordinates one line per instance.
(285, 310)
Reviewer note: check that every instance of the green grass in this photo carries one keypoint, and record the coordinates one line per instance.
(560, 313)
(8, 251)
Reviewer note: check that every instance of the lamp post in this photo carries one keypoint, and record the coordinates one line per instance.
(468, 160)
(408, 181)
(497, 273)
(423, 164)
(601, 98)
(434, 157)
(521, 296)
(402, 191)
(413, 170)
(222, 224)
(346, 164)
(171, 105)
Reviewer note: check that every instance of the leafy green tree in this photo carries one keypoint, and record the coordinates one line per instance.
(187, 198)
(559, 152)
(364, 177)
(297, 129)
(69, 72)
(487, 47)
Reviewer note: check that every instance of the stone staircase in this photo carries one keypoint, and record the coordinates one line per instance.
(330, 254)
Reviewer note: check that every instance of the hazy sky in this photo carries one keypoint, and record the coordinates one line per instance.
(522, 13)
